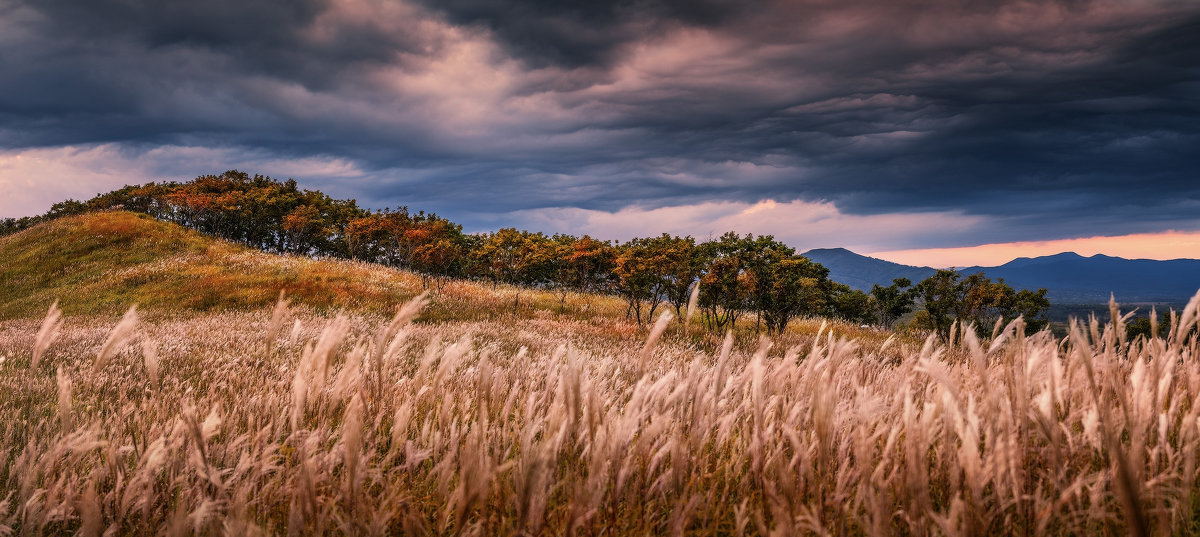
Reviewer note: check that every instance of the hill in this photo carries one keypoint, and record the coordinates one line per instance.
(861, 272)
(218, 423)
(1069, 277)
(103, 262)
(1075, 279)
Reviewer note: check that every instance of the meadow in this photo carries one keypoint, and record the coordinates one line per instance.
(289, 421)
(361, 405)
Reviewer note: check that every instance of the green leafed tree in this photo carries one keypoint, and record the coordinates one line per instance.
(1031, 305)
(976, 300)
(852, 305)
(892, 302)
(940, 295)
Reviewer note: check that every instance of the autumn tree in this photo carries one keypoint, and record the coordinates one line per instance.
(682, 263)
(762, 275)
(516, 257)
(726, 288)
(787, 287)
(590, 265)
(782, 283)
(639, 277)
(587, 265)
(303, 229)
(369, 238)
(439, 249)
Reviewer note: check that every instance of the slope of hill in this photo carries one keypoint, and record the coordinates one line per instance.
(104, 262)
(861, 272)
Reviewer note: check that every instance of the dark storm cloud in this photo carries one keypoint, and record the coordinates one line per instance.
(1051, 119)
(183, 72)
(274, 37)
(583, 33)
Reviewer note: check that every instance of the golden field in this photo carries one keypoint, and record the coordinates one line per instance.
(352, 415)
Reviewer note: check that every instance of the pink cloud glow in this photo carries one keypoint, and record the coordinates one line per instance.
(1164, 245)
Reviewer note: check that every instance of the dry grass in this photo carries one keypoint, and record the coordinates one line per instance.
(288, 422)
(103, 262)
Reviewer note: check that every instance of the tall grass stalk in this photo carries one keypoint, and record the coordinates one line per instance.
(46, 334)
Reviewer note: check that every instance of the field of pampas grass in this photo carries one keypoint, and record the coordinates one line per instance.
(284, 422)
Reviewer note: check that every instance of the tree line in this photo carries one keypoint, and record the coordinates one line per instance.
(737, 275)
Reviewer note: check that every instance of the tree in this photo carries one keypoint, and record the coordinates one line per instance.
(940, 296)
(1152, 325)
(759, 274)
(367, 238)
(680, 264)
(66, 208)
(1031, 305)
(516, 257)
(557, 252)
(982, 301)
(976, 300)
(639, 277)
(437, 247)
(654, 270)
(893, 301)
(438, 258)
(726, 289)
(770, 286)
(789, 287)
(303, 228)
(852, 305)
(588, 266)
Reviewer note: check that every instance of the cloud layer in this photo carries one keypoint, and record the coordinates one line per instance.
(1001, 120)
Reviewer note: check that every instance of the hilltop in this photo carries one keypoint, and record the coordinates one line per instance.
(861, 272)
(103, 262)
(278, 217)
(281, 238)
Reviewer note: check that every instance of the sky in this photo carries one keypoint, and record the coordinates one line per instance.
(938, 133)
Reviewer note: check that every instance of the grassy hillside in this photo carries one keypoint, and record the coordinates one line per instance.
(104, 262)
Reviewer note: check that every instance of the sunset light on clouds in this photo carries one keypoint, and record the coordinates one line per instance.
(1161, 246)
(934, 132)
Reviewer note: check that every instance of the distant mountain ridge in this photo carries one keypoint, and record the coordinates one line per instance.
(861, 272)
(1069, 277)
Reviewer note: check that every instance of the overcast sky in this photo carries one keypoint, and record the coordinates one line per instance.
(879, 126)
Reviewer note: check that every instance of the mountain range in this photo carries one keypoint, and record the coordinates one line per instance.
(1068, 277)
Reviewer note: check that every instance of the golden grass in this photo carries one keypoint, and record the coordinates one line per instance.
(103, 262)
(285, 421)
